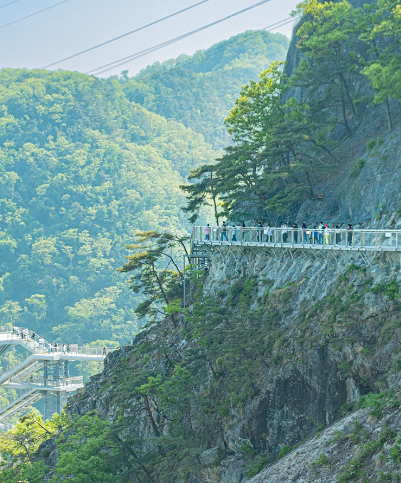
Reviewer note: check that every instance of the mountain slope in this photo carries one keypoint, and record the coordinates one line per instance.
(200, 90)
(81, 170)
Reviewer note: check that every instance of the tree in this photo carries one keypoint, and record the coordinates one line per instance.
(201, 193)
(327, 38)
(276, 148)
(18, 447)
(381, 28)
(159, 285)
(88, 452)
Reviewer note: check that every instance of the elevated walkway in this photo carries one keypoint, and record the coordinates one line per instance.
(204, 243)
(55, 384)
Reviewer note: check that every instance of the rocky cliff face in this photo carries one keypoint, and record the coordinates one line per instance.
(337, 336)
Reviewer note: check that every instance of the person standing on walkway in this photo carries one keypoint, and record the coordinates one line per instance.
(260, 232)
(223, 232)
(284, 231)
(104, 350)
(269, 232)
(320, 231)
(207, 232)
(295, 235)
(243, 231)
(327, 234)
(304, 234)
(338, 236)
(349, 235)
(315, 236)
(234, 234)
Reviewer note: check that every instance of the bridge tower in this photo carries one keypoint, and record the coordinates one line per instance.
(53, 382)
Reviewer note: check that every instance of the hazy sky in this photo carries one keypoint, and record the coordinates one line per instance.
(76, 25)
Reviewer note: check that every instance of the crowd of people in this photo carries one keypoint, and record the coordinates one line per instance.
(25, 334)
(319, 233)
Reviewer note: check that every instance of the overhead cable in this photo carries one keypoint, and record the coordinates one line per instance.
(32, 14)
(126, 34)
(218, 48)
(142, 53)
(9, 3)
(124, 60)
(279, 24)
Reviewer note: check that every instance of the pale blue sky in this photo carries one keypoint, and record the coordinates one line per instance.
(79, 24)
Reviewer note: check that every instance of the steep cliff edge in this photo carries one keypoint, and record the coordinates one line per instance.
(307, 335)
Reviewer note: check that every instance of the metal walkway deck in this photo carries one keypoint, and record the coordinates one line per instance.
(55, 384)
(205, 239)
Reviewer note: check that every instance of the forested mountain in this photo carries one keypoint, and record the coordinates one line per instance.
(81, 169)
(83, 166)
(199, 90)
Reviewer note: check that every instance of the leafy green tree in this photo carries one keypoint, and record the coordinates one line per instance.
(276, 149)
(327, 38)
(160, 286)
(18, 447)
(89, 453)
(381, 26)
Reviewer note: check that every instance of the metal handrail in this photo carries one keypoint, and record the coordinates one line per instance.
(39, 345)
(51, 382)
(381, 239)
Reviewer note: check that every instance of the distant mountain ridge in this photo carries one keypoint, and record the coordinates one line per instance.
(199, 90)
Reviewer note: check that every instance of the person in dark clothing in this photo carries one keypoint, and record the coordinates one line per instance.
(304, 234)
(295, 235)
(260, 232)
(338, 236)
(243, 231)
(349, 235)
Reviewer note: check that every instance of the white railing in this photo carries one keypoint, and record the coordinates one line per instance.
(39, 345)
(40, 382)
(385, 240)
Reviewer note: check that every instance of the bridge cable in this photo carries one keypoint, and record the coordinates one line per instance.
(143, 27)
(124, 60)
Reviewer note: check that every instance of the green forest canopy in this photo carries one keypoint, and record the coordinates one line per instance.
(83, 167)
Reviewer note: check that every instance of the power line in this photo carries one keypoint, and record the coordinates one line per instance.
(124, 60)
(32, 14)
(279, 24)
(181, 67)
(124, 35)
(9, 3)
(142, 53)
(269, 28)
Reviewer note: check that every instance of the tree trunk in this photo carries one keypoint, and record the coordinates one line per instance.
(344, 115)
(388, 114)
(152, 421)
(310, 184)
(162, 291)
